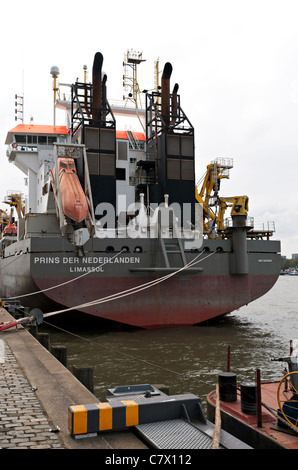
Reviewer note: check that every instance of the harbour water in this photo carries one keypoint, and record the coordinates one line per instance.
(189, 359)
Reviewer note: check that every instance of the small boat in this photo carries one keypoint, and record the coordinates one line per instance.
(264, 415)
(293, 272)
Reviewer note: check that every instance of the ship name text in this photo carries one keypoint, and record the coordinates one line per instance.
(91, 260)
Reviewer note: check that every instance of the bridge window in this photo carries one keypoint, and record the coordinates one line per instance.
(120, 174)
(32, 139)
(20, 139)
(122, 150)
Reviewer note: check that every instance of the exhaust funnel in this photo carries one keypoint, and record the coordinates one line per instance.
(165, 93)
(97, 86)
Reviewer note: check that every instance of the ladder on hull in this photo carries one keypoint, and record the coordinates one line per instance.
(170, 247)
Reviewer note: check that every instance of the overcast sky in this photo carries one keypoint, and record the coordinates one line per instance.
(236, 63)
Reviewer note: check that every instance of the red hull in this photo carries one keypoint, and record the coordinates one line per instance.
(176, 302)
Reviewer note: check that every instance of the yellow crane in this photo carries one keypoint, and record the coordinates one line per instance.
(15, 200)
(4, 218)
(214, 206)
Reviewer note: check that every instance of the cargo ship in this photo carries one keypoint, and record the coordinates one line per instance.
(114, 224)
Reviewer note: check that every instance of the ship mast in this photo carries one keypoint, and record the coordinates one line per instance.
(156, 77)
(55, 72)
(130, 82)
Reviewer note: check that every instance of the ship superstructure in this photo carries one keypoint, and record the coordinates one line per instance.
(115, 224)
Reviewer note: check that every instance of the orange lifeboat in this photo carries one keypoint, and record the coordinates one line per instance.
(10, 229)
(73, 199)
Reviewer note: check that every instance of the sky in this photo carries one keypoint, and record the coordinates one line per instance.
(236, 63)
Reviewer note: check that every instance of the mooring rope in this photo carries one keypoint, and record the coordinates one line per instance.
(133, 290)
(66, 282)
(278, 417)
(117, 351)
(116, 296)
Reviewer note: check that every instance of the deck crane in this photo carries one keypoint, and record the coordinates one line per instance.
(15, 200)
(214, 206)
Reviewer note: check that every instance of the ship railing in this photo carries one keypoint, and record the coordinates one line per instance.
(138, 176)
(222, 166)
(134, 180)
(264, 226)
(257, 230)
(118, 104)
(249, 222)
(262, 230)
(83, 112)
(143, 156)
(224, 162)
(155, 122)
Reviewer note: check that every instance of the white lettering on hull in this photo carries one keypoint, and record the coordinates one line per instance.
(78, 265)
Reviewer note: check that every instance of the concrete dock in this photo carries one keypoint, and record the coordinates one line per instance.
(35, 393)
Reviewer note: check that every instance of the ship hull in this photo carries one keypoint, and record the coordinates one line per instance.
(186, 297)
(174, 304)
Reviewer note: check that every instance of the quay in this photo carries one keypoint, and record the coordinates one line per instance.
(36, 391)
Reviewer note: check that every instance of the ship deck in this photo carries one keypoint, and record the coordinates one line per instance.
(246, 426)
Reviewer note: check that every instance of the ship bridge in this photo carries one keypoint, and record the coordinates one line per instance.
(30, 137)
(30, 148)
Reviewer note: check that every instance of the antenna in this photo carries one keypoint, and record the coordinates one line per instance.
(19, 108)
(55, 72)
(156, 77)
(85, 73)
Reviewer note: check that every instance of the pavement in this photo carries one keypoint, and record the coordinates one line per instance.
(35, 393)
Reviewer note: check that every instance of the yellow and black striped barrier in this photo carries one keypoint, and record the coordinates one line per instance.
(120, 414)
(84, 419)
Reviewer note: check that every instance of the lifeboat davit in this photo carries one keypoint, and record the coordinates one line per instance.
(73, 199)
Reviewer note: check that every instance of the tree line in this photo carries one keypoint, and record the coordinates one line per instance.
(289, 263)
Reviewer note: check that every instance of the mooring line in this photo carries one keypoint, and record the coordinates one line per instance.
(133, 290)
(64, 283)
(115, 350)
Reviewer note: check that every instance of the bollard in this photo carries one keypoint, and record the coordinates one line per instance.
(249, 398)
(33, 330)
(259, 398)
(44, 339)
(227, 384)
(85, 376)
(60, 353)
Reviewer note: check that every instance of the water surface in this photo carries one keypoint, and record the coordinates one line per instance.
(189, 359)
